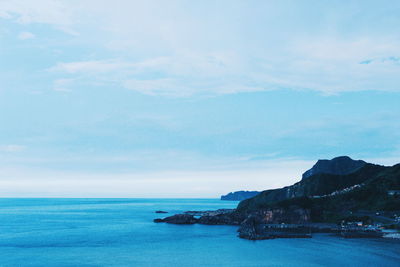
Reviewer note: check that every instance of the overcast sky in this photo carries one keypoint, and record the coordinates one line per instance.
(192, 98)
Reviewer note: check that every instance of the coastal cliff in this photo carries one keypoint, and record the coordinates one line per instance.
(320, 184)
(365, 194)
(342, 165)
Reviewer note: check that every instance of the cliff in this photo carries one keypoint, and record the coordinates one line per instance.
(329, 196)
(342, 165)
(316, 185)
(321, 199)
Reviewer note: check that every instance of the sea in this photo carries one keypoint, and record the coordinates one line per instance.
(121, 232)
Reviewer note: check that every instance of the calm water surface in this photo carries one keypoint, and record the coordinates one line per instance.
(120, 232)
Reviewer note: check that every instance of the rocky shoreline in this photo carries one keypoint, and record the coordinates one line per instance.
(268, 224)
(350, 198)
(215, 217)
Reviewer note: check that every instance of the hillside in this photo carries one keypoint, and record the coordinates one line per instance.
(329, 196)
(322, 202)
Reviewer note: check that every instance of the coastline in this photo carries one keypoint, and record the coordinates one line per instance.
(120, 232)
(250, 228)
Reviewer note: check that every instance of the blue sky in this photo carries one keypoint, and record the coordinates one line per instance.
(192, 98)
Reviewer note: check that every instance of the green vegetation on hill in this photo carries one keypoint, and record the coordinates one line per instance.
(330, 197)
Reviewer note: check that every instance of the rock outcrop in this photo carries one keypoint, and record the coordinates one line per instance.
(217, 217)
(232, 218)
(178, 219)
(252, 226)
(209, 212)
(258, 224)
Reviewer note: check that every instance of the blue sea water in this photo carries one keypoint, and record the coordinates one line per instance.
(121, 232)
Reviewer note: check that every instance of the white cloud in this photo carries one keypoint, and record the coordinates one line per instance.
(12, 148)
(26, 35)
(87, 67)
(180, 49)
(179, 75)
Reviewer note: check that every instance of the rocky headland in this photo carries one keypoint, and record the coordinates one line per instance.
(349, 200)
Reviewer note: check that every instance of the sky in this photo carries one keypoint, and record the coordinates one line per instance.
(192, 98)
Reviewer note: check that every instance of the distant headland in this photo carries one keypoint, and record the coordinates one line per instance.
(240, 195)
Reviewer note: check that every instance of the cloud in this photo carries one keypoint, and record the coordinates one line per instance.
(56, 13)
(172, 49)
(88, 67)
(26, 35)
(179, 75)
(12, 148)
(328, 65)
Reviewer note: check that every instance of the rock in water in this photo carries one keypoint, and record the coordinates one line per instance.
(178, 219)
